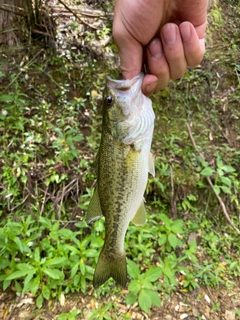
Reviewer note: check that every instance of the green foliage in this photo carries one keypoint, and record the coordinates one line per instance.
(168, 233)
(70, 316)
(141, 287)
(50, 122)
(40, 265)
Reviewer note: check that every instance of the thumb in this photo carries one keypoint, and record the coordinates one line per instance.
(131, 55)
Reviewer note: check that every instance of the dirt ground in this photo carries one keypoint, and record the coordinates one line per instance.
(204, 303)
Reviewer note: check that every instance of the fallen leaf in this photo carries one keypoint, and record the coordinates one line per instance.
(230, 315)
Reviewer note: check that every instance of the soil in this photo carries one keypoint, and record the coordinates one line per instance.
(204, 303)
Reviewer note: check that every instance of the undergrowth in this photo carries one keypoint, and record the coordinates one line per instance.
(50, 124)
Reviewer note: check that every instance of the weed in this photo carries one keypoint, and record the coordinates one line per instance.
(141, 287)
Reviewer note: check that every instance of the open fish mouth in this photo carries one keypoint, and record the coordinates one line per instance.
(127, 92)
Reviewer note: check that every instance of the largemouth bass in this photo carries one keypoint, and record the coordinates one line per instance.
(124, 160)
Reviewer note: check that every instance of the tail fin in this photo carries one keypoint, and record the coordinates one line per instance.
(108, 267)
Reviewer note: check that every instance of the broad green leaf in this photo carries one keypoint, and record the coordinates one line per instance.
(39, 301)
(82, 268)
(228, 169)
(145, 301)
(219, 162)
(53, 273)
(177, 226)
(131, 298)
(216, 189)
(145, 283)
(155, 298)
(134, 286)
(207, 172)
(34, 286)
(37, 254)
(25, 266)
(18, 286)
(152, 274)
(162, 239)
(17, 274)
(171, 276)
(26, 284)
(6, 284)
(6, 97)
(165, 219)
(220, 172)
(76, 279)
(46, 292)
(133, 269)
(19, 244)
(55, 261)
(226, 190)
(173, 240)
(74, 270)
(226, 181)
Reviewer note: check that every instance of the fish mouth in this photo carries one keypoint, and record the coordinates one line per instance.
(127, 92)
(132, 85)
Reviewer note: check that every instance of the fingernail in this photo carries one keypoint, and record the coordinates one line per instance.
(155, 49)
(150, 88)
(169, 33)
(185, 31)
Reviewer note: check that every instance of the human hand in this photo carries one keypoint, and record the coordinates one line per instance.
(167, 35)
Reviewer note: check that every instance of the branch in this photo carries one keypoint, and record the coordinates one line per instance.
(210, 183)
(22, 14)
(75, 15)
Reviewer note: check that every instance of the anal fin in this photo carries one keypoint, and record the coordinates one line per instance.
(94, 211)
(140, 217)
(151, 165)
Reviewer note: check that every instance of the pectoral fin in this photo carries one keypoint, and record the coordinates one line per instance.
(151, 165)
(140, 217)
(94, 211)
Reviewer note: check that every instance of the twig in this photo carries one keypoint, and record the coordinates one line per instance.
(210, 183)
(75, 15)
(19, 204)
(16, 13)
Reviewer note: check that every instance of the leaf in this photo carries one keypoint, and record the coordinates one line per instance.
(173, 240)
(177, 226)
(228, 169)
(34, 286)
(6, 97)
(131, 298)
(216, 189)
(162, 239)
(133, 269)
(19, 244)
(134, 286)
(74, 270)
(165, 219)
(156, 301)
(145, 301)
(17, 274)
(55, 261)
(207, 172)
(6, 284)
(39, 301)
(53, 273)
(226, 181)
(46, 292)
(226, 190)
(152, 274)
(27, 282)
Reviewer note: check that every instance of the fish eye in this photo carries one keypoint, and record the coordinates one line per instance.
(109, 100)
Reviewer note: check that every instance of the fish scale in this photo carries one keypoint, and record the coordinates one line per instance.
(123, 166)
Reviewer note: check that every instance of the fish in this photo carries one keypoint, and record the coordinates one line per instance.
(123, 162)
